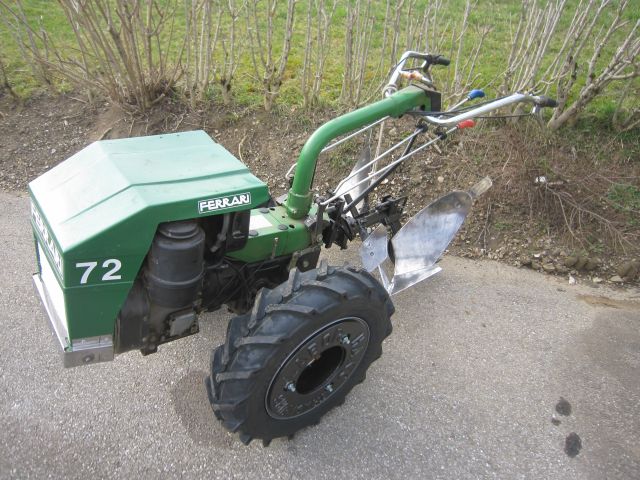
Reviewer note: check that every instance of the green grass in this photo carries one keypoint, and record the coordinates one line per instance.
(501, 16)
(625, 197)
(42, 14)
(502, 226)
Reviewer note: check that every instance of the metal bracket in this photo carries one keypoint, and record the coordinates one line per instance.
(296, 256)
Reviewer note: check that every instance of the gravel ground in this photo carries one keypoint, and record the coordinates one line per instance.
(489, 371)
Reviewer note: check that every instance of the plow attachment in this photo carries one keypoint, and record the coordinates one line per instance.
(418, 245)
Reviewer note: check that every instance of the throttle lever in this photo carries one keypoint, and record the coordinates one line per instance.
(413, 75)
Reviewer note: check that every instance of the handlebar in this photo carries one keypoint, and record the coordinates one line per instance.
(539, 102)
(395, 104)
(431, 59)
(427, 58)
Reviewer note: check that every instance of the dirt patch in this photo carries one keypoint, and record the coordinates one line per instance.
(38, 135)
(596, 301)
(550, 208)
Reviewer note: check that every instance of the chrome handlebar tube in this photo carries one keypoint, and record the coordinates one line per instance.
(450, 121)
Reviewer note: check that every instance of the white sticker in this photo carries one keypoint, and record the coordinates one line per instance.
(259, 221)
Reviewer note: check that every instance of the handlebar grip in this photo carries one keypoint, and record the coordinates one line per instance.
(437, 60)
(544, 101)
(430, 59)
(440, 60)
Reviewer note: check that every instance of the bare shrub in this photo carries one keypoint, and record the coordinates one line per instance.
(317, 38)
(214, 46)
(595, 51)
(534, 32)
(29, 38)
(587, 213)
(231, 46)
(122, 48)
(399, 28)
(408, 25)
(201, 33)
(261, 44)
(623, 63)
(357, 44)
(461, 76)
(125, 39)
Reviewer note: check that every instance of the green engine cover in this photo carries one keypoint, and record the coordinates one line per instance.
(94, 217)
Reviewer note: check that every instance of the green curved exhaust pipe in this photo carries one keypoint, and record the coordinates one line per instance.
(300, 196)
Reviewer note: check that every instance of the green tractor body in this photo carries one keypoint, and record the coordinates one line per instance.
(95, 216)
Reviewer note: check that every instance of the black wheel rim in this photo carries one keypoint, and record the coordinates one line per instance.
(318, 368)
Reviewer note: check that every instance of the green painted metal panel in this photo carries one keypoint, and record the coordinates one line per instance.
(273, 233)
(95, 214)
(300, 195)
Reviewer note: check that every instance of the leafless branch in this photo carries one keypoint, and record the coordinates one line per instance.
(317, 38)
(261, 42)
(623, 63)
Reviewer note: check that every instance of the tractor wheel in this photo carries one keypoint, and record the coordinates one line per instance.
(297, 354)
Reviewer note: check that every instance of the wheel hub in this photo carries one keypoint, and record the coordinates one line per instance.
(317, 368)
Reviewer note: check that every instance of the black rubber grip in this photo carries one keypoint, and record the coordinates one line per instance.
(437, 60)
(546, 102)
(440, 60)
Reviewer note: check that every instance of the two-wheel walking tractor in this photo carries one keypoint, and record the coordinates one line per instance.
(136, 237)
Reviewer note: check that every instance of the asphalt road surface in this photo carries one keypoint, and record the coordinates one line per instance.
(481, 359)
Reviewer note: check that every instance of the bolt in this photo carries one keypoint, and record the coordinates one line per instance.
(329, 388)
(345, 340)
(371, 254)
(290, 386)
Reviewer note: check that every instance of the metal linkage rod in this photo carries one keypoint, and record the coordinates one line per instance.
(390, 166)
(342, 140)
(382, 155)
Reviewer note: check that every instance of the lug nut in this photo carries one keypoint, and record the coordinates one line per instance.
(329, 388)
(290, 386)
(345, 340)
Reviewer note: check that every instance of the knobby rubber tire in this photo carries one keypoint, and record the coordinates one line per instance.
(257, 344)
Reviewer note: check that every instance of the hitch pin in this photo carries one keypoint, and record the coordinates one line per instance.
(274, 249)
